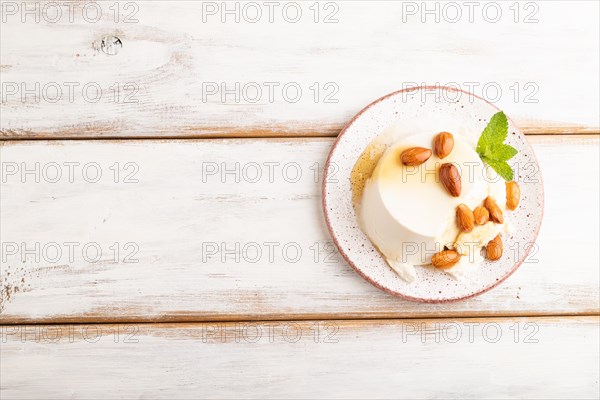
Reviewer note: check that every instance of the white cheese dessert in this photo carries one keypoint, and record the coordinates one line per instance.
(409, 215)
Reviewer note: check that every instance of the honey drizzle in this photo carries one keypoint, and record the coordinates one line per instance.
(363, 169)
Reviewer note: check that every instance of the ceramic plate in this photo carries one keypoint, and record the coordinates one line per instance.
(412, 107)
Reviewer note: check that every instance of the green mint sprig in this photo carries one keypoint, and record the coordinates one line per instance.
(491, 147)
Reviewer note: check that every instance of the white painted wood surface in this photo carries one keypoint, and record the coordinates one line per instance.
(187, 213)
(501, 358)
(175, 54)
(168, 214)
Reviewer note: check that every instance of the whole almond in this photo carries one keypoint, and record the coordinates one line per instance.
(482, 215)
(445, 259)
(464, 218)
(415, 156)
(513, 195)
(443, 144)
(494, 210)
(493, 250)
(450, 178)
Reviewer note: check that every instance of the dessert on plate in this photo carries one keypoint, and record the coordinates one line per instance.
(436, 199)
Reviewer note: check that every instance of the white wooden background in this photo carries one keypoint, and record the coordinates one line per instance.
(169, 311)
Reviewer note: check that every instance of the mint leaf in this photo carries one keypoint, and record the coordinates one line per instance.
(492, 149)
(501, 167)
(494, 133)
(503, 152)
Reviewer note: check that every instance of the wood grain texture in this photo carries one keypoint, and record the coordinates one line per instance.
(166, 80)
(471, 358)
(198, 241)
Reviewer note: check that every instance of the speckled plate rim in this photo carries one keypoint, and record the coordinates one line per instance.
(360, 271)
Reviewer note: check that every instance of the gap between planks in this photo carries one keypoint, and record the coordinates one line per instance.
(274, 137)
(251, 135)
(304, 318)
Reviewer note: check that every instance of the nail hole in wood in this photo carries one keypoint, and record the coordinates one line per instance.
(111, 45)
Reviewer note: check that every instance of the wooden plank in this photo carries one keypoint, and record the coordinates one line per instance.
(179, 64)
(468, 358)
(194, 244)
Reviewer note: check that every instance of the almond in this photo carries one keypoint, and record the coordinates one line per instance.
(482, 215)
(445, 259)
(494, 210)
(443, 144)
(493, 250)
(464, 218)
(415, 156)
(450, 178)
(513, 195)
